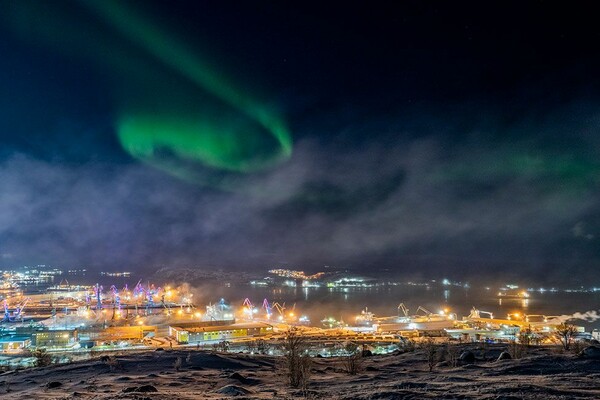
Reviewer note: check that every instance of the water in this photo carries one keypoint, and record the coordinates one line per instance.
(318, 303)
(346, 303)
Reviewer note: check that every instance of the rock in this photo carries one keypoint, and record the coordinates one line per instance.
(233, 390)
(591, 352)
(237, 376)
(371, 368)
(367, 353)
(53, 385)
(505, 355)
(467, 357)
(105, 359)
(442, 364)
(140, 389)
(242, 379)
(146, 389)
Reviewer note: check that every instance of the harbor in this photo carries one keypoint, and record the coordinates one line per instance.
(79, 319)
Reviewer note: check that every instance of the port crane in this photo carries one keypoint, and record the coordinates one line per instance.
(280, 309)
(98, 294)
(424, 310)
(248, 307)
(268, 308)
(211, 311)
(150, 292)
(17, 313)
(138, 289)
(116, 301)
(475, 313)
(404, 309)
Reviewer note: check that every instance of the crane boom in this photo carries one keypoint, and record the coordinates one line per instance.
(404, 309)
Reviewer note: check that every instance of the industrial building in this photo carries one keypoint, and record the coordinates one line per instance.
(54, 338)
(198, 334)
(14, 343)
(116, 334)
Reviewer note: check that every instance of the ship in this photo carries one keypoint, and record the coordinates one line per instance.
(506, 294)
(426, 321)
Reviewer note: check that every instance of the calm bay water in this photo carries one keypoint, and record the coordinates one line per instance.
(346, 303)
(318, 303)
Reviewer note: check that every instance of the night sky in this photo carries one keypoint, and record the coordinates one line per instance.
(432, 139)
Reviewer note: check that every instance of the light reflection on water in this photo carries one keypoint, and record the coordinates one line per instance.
(346, 303)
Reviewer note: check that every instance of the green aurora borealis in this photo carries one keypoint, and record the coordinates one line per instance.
(402, 135)
(175, 109)
(216, 144)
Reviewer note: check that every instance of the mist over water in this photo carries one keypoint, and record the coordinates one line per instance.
(319, 303)
(579, 308)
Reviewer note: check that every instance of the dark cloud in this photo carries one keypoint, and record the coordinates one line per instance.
(428, 139)
(414, 201)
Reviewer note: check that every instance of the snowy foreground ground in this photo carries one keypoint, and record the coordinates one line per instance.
(541, 374)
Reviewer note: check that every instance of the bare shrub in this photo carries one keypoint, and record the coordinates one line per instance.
(251, 346)
(221, 346)
(178, 363)
(407, 346)
(484, 347)
(452, 354)
(113, 364)
(526, 337)
(565, 334)
(298, 363)
(262, 346)
(42, 357)
(517, 350)
(577, 346)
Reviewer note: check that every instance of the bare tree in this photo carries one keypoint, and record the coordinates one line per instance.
(42, 357)
(516, 349)
(578, 346)
(298, 362)
(526, 336)
(262, 346)
(408, 346)
(451, 354)
(178, 364)
(565, 333)
(221, 346)
(251, 346)
(113, 364)
(353, 362)
(431, 352)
